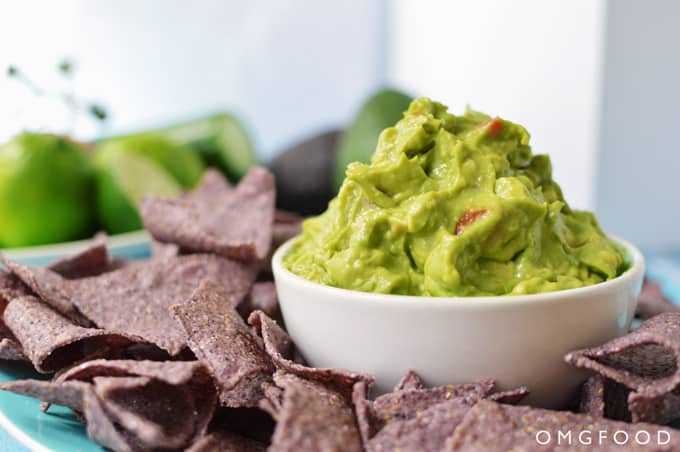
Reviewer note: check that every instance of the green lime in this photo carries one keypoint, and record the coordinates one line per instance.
(358, 142)
(221, 140)
(180, 161)
(122, 183)
(46, 191)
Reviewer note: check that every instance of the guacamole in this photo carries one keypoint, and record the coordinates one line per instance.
(453, 206)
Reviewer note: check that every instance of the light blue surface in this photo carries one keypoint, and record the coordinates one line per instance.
(60, 431)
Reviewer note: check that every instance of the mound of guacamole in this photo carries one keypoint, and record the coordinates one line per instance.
(453, 206)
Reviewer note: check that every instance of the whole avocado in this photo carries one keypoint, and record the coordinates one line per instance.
(46, 191)
(358, 142)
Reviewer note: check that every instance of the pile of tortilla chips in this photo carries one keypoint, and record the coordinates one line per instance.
(183, 351)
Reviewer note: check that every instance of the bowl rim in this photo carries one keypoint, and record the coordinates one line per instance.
(635, 271)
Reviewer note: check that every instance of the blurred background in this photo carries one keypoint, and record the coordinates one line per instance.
(594, 81)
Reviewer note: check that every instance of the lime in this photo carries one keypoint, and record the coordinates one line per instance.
(46, 191)
(220, 139)
(121, 184)
(357, 144)
(180, 161)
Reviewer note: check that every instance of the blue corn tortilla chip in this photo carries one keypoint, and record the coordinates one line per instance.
(411, 380)
(161, 250)
(491, 426)
(212, 188)
(363, 410)
(427, 431)
(510, 396)
(282, 232)
(645, 360)
(407, 404)
(653, 302)
(218, 336)
(405, 407)
(101, 429)
(171, 372)
(235, 223)
(50, 287)
(131, 395)
(262, 296)
(11, 350)
(141, 412)
(247, 422)
(602, 397)
(51, 341)
(135, 299)
(313, 417)
(272, 400)
(11, 287)
(68, 394)
(91, 261)
(591, 400)
(224, 441)
(159, 415)
(280, 349)
(639, 373)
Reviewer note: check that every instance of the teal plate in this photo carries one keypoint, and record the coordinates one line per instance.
(58, 430)
(131, 245)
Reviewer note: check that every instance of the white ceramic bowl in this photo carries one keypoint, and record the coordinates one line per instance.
(516, 340)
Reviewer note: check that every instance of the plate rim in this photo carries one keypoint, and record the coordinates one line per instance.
(59, 249)
(20, 435)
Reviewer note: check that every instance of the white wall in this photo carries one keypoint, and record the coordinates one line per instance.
(639, 164)
(289, 67)
(534, 62)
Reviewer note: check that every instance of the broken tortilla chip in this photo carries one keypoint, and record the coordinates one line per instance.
(50, 287)
(279, 347)
(133, 394)
(224, 441)
(160, 415)
(411, 380)
(492, 426)
(408, 403)
(235, 223)
(313, 417)
(426, 431)
(11, 350)
(101, 429)
(262, 296)
(363, 410)
(161, 250)
(91, 261)
(511, 396)
(218, 336)
(136, 299)
(11, 286)
(68, 394)
(51, 341)
(639, 378)
(652, 301)
(645, 360)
